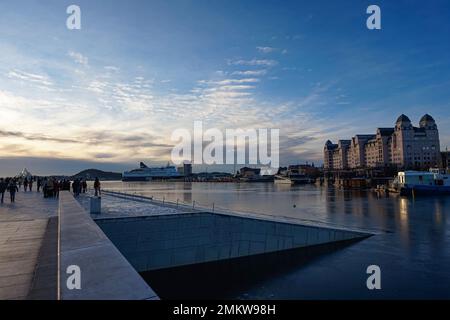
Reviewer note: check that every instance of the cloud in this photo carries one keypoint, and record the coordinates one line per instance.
(237, 81)
(112, 68)
(103, 155)
(266, 49)
(31, 78)
(78, 58)
(35, 137)
(254, 62)
(250, 73)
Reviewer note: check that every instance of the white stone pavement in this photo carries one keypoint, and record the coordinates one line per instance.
(22, 228)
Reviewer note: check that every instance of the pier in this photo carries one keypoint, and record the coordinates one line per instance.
(41, 238)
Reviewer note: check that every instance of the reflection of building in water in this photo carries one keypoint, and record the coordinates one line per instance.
(403, 146)
(404, 220)
(187, 192)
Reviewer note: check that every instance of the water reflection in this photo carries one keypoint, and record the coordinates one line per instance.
(411, 243)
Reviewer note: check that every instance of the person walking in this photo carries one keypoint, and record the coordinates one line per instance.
(30, 184)
(25, 184)
(38, 182)
(12, 188)
(97, 187)
(3, 186)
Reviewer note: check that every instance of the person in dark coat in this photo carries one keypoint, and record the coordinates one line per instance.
(84, 186)
(25, 184)
(3, 186)
(97, 187)
(12, 188)
(76, 187)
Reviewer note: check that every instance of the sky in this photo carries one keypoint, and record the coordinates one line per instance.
(111, 94)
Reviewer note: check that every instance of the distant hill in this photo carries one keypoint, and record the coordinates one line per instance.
(91, 174)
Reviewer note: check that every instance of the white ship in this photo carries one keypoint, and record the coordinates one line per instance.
(292, 178)
(144, 173)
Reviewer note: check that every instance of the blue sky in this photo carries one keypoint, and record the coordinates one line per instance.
(110, 94)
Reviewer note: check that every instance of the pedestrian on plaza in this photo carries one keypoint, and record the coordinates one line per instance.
(25, 184)
(3, 187)
(97, 187)
(12, 188)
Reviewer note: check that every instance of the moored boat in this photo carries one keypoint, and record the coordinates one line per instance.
(433, 182)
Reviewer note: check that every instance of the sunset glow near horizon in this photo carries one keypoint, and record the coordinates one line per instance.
(110, 95)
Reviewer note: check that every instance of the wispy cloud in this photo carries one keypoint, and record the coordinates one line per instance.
(35, 137)
(250, 73)
(28, 77)
(79, 58)
(266, 49)
(254, 62)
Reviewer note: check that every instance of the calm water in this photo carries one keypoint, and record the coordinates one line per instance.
(411, 245)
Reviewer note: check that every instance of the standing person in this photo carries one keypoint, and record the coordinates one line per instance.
(50, 188)
(84, 186)
(97, 187)
(76, 187)
(57, 187)
(12, 188)
(25, 184)
(30, 184)
(3, 186)
(39, 182)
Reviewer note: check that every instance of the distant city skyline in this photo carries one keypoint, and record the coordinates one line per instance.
(110, 95)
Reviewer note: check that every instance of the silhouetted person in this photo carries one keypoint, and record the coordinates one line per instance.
(97, 187)
(12, 188)
(39, 183)
(44, 187)
(30, 184)
(76, 187)
(3, 186)
(84, 186)
(25, 184)
(56, 188)
(50, 188)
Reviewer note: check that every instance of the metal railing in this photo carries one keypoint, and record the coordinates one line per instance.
(196, 206)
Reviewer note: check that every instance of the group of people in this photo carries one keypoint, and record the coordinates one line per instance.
(10, 185)
(79, 186)
(50, 186)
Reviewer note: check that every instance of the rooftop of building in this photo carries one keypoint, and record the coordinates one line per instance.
(403, 118)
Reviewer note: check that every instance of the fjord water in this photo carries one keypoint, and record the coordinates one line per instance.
(411, 244)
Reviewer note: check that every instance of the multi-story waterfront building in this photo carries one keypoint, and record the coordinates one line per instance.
(445, 156)
(403, 146)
